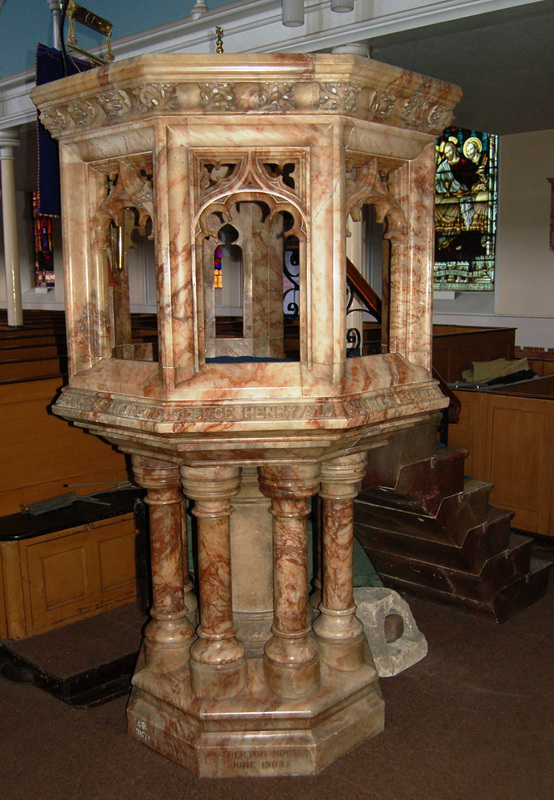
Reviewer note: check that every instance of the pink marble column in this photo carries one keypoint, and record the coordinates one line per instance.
(169, 634)
(339, 632)
(291, 657)
(217, 658)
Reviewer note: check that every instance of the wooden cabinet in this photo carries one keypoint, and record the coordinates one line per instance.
(510, 438)
(60, 577)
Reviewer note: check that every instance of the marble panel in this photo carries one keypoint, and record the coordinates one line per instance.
(273, 145)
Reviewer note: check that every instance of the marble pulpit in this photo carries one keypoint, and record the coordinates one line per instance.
(247, 160)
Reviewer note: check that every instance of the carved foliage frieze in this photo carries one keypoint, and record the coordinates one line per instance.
(382, 105)
(338, 97)
(56, 119)
(116, 104)
(155, 97)
(218, 97)
(419, 110)
(275, 97)
(82, 112)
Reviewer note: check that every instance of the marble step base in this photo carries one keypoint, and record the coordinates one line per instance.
(256, 733)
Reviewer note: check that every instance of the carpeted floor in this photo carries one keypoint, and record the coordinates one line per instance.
(473, 721)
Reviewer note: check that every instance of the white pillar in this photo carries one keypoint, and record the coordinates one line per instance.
(54, 6)
(199, 9)
(8, 142)
(353, 49)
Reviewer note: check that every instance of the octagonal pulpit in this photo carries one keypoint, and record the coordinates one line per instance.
(241, 176)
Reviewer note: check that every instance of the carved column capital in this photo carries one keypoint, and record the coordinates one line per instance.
(9, 140)
(341, 477)
(289, 481)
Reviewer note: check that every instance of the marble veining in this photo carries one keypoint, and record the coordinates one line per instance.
(274, 157)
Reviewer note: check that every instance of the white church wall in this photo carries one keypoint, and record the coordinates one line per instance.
(524, 292)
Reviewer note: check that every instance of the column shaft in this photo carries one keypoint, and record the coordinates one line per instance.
(217, 660)
(9, 218)
(191, 603)
(291, 658)
(169, 634)
(339, 632)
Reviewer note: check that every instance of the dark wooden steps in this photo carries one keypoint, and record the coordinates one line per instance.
(430, 531)
(402, 535)
(500, 569)
(506, 601)
(428, 481)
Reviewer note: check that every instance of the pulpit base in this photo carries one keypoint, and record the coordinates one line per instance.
(256, 733)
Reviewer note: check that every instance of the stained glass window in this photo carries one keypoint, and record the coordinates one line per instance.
(44, 253)
(465, 210)
(218, 275)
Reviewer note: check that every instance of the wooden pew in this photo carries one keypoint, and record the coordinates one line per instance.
(508, 430)
(53, 574)
(42, 454)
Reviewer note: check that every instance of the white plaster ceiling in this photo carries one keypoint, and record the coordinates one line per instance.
(504, 64)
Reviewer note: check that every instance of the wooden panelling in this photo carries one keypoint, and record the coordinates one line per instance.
(42, 453)
(455, 347)
(541, 367)
(13, 597)
(469, 427)
(3, 619)
(64, 576)
(116, 560)
(521, 456)
(511, 444)
(540, 360)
